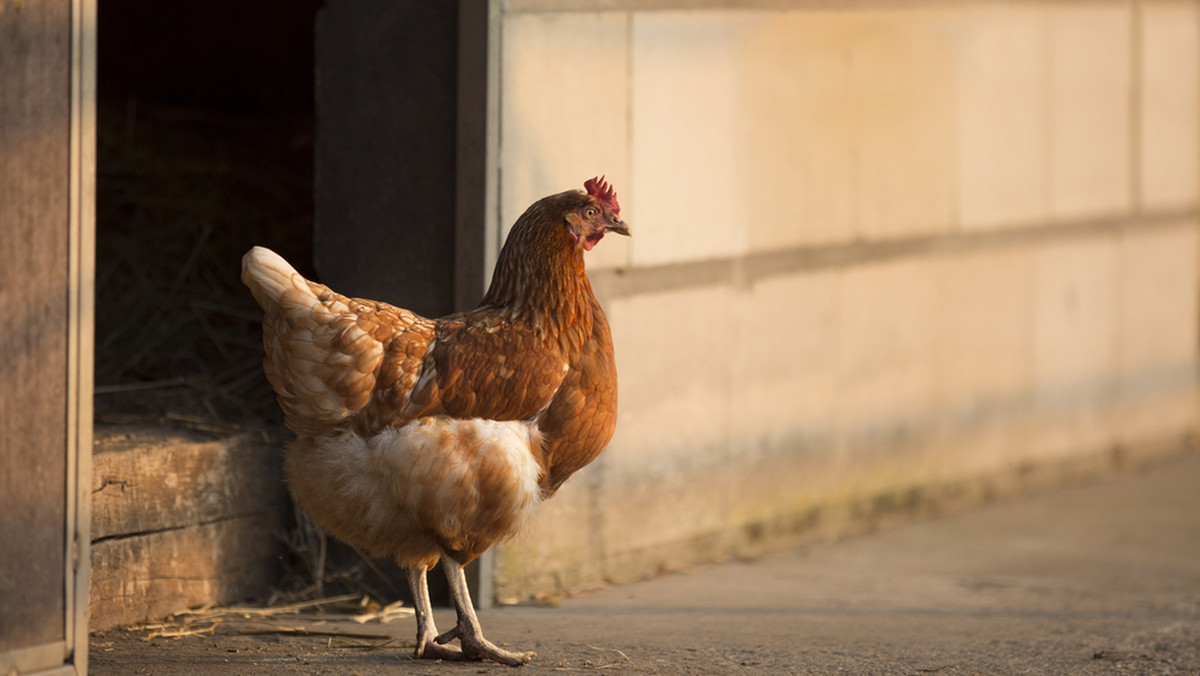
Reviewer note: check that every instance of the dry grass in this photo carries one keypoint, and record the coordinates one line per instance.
(182, 194)
(307, 618)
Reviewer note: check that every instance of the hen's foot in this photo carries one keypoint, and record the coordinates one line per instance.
(467, 630)
(434, 650)
(478, 648)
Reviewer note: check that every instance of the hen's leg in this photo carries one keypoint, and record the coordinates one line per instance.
(468, 631)
(426, 629)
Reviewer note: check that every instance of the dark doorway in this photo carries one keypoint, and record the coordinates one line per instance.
(207, 134)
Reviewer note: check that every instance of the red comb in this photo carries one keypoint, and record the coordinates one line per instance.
(601, 190)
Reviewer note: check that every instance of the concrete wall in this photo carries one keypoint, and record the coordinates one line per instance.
(887, 258)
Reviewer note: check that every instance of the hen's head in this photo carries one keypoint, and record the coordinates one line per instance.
(574, 220)
(546, 245)
(592, 213)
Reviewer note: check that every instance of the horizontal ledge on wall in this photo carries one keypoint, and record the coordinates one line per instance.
(561, 6)
(755, 266)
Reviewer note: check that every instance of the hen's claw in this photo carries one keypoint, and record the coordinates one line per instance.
(448, 636)
(431, 650)
(479, 648)
(474, 648)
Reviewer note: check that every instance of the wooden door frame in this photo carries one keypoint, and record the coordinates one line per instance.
(81, 328)
(68, 657)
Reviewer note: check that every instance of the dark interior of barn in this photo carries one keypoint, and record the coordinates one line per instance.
(205, 148)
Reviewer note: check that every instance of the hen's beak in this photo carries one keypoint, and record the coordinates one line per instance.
(618, 226)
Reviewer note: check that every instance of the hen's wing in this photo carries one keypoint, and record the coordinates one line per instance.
(328, 356)
(484, 365)
(580, 421)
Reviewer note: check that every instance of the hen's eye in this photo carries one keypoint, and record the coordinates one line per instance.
(590, 213)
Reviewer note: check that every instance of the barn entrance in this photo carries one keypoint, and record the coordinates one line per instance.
(209, 143)
(202, 125)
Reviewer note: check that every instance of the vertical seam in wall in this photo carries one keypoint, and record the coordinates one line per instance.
(1196, 150)
(629, 117)
(1048, 160)
(599, 530)
(1134, 148)
(1135, 106)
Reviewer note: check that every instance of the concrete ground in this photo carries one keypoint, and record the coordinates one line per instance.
(1099, 579)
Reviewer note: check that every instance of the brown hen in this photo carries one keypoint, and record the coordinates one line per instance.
(422, 439)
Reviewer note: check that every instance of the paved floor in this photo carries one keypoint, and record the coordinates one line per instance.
(1100, 579)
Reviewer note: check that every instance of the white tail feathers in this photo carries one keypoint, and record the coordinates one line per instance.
(320, 362)
(269, 276)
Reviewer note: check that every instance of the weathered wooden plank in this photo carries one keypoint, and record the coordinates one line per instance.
(149, 479)
(34, 186)
(181, 520)
(150, 576)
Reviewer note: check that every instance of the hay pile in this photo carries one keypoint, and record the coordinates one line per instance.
(181, 195)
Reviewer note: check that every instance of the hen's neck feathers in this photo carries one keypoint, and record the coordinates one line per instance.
(540, 278)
